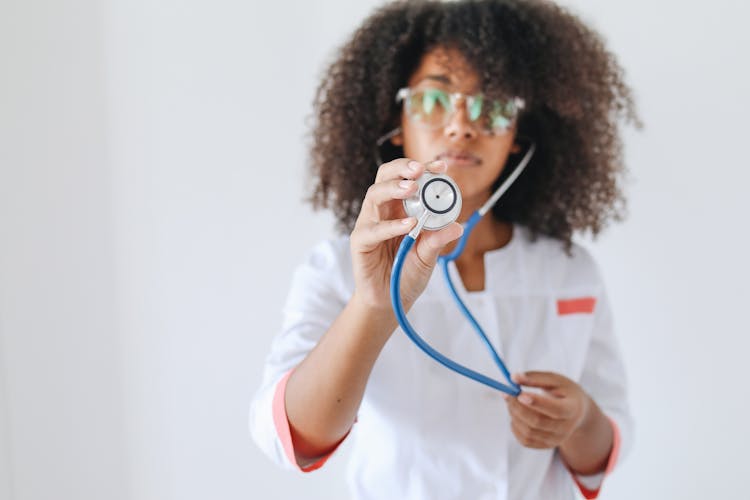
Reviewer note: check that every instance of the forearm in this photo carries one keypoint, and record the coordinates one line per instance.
(587, 450)
(324, 392)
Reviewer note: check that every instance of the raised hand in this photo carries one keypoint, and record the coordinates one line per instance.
(376, 236)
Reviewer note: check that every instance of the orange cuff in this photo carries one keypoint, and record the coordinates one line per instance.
(281, 422)
(613, 456)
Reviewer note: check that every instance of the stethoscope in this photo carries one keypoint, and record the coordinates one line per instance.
(436, 204)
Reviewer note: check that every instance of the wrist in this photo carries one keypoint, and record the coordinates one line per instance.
(588, 414)
(591, 423)
(586, 420)
(587, 449)
(374, 313)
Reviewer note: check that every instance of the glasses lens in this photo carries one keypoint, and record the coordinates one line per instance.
(496, 116)
(434, 107)
(474, 105)
(430, 106)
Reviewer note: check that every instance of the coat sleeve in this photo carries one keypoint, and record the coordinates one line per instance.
(316, 297)
(605, 380)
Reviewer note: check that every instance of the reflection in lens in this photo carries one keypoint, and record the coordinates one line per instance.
(474, 106)
(497, 117)
(430, 106)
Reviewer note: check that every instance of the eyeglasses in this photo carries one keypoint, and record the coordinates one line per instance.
(433, 108)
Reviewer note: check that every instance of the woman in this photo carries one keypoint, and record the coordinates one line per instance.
(466, 89)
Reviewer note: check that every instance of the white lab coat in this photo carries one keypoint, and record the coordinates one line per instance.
(425, 432)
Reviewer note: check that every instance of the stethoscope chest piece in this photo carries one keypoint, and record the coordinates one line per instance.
(438, 194)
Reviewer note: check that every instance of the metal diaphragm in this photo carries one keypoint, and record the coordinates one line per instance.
(440, 195)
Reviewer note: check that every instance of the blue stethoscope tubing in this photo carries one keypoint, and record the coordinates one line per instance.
(398, 307)
(512, 388)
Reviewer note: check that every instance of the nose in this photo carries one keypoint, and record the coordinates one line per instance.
(460, 126)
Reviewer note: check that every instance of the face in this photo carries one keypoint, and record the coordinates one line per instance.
(475, 159)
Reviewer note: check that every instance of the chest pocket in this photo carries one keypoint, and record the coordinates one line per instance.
(572, 324)
(557, 335)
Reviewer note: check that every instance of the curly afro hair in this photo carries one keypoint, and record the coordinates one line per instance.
(572, 85)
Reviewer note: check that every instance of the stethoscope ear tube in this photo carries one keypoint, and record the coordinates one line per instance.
(398, 308)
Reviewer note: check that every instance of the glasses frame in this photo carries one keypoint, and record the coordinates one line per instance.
(404, 94)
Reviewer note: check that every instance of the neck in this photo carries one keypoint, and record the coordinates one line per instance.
(488, 234)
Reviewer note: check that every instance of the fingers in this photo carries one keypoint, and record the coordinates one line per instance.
(553, 403)
(404, 168)
(533, 428)
(532, 417)
(535, 408)
(533, 438)
(556, 408)
(383, 192)
(430, 243)
(381, 231)
(395, 180)
(549, 381)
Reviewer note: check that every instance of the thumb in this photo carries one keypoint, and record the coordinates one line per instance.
(430, 244)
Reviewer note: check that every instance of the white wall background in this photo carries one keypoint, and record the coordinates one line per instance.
(150, 219)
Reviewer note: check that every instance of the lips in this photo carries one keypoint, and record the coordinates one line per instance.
(459, 158)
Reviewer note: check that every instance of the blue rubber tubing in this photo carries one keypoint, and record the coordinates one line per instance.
(398, 309)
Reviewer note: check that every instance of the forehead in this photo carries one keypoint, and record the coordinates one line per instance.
(446, 66)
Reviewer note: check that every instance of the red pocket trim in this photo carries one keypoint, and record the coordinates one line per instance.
(582, 305)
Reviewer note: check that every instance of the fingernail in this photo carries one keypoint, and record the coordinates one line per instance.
(408, 220)
(405, 184)
(525, 399)
(438, 163)
(413, 166)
